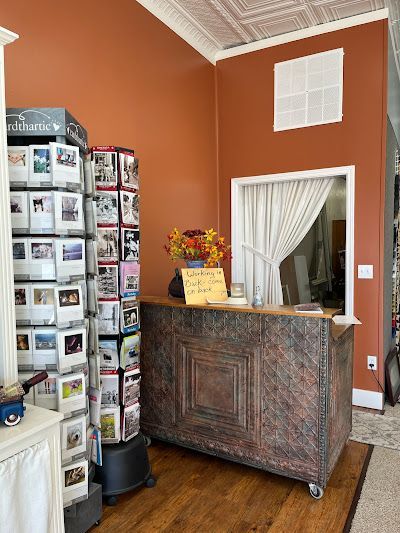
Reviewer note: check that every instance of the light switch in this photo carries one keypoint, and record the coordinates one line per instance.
(365, 271)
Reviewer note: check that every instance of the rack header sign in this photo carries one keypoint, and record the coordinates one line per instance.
(46, 122)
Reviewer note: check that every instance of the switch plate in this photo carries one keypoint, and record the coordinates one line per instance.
(365, 271)
(372, 361)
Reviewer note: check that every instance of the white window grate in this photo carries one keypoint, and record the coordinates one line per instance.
(309, 90)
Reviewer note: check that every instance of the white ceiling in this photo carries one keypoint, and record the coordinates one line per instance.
(214, 25)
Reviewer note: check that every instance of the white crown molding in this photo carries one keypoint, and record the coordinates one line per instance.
(182, 26)
(328, 27)
(7, 36)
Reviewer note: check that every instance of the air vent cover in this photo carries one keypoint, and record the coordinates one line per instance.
(309, 90)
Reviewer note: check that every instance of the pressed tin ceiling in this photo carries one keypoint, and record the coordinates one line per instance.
(211, 26)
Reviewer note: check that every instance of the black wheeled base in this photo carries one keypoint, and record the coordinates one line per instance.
(125, 467)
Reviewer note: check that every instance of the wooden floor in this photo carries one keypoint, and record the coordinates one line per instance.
(203, 494)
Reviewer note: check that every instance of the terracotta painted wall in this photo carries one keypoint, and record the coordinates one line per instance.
(248, 146)
(131, 82)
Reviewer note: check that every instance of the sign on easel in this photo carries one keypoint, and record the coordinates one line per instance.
(202, 283)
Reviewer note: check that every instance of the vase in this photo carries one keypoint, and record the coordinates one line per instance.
(195, 264)
(175, 288)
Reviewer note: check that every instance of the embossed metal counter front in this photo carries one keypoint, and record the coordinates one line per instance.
(269, 391)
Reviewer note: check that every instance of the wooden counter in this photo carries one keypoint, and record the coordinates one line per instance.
(270, 388)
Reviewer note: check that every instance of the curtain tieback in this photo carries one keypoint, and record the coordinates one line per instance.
(262, 256)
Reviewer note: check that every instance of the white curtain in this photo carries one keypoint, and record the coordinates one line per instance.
(26, 491)
(277, 217)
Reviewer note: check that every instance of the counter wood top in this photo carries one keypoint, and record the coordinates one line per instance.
(267, 310)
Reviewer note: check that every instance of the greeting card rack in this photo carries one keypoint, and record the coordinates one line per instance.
(125, 461)
(48, 221)
(115, 404)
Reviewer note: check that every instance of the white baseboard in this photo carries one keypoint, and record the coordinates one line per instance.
(367, 398)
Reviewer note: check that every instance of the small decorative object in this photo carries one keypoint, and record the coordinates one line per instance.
(237, 290)
(258, 300)
(12, 399)
(392, 373)
(197, 247)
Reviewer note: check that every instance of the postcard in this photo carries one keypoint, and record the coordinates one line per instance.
(88, 171)
(22, 377)
(94, 405)
(44, 341)
(39, 165)
(93, 337)
(130, 387)
(108, 318)
(19, 208)
(108, 351)
(129, 170)
(22, 299)
(107, 244)
(20, 248)
(94, 370)
(131, 421)
(130, 352)
(130, 278)
(24, 348)
(110, 425)
(46, 392)
(71, 393)
(18, 165)
(130, 244)
(130, 320)
(70, 259)
(41, 209)
(72, 351)
(69, 304)
(91, 257)
(68, 212)
(42, 258)
(109, 390)
(108, 282)
(73, 438)
(92, 301)
(90, 217)
(75, 481)
(42, 303)
(107, 208)
(129, 208)
(64, 165)
(105, 169)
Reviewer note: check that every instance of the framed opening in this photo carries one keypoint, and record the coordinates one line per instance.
(237, 219)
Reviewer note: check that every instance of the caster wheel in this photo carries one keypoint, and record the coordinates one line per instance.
(111, 501)
(151, 482)
(316, 491)
(147, 441)
(97, 523)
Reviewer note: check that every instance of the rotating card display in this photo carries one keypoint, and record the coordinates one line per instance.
(116, 178)
(49, 256)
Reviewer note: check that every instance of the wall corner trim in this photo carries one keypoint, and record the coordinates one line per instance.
(368, 399)
(357, 20)
(7, 36)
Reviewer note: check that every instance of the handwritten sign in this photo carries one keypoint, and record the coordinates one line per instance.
(202, 283)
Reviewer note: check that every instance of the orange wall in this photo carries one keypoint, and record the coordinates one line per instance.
(248, 146)
(131, 82)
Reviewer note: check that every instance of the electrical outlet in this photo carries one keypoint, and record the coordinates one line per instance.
(372, 360)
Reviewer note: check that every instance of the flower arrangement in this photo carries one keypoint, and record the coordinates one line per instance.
(198, 245)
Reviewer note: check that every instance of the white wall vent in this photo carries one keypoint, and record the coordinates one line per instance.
(308, 91)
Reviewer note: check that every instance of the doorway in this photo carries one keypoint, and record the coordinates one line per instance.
(340, 236)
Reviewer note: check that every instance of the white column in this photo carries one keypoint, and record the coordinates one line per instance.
(8, 350)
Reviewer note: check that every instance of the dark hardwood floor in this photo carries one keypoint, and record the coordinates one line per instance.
(199, 493)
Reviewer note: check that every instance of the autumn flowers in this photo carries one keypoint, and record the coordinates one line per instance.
(197, 245)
